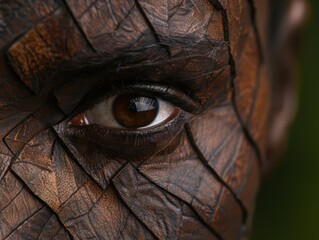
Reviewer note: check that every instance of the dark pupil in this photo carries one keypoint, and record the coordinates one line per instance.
(134, 111)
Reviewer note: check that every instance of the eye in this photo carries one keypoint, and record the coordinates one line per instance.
(127, 110)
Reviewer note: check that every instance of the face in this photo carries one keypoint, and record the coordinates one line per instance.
(132, 118)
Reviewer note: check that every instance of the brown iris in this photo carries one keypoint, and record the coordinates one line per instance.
(135, 111)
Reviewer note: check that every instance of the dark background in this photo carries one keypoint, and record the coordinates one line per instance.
(288, 202)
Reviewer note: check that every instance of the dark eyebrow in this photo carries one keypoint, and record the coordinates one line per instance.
(151, 54)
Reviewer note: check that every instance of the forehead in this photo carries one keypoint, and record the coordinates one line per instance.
(111, 25)
(43, 34)
(117, 24)
(39, 36)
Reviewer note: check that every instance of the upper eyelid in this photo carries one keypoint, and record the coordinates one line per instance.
(190, 47)
(172, 94)
(90, 77)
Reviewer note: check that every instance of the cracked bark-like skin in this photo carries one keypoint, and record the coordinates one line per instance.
(199, 183)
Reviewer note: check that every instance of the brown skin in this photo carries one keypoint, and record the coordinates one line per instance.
(193, 177)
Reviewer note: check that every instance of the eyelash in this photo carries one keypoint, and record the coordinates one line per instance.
(149, 139)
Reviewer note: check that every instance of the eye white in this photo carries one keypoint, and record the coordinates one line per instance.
(165, 110)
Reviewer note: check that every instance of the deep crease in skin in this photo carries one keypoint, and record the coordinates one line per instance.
(150, 25)
(78, 26)
(212, 230)
(25, 143)
(66, 149)
(42, 202)
(124, 225)
(29, 217)
(89, 211)
(25, 186)
(256, 30)
(79, 165)
(46, 224)
(262, 61)
(88, 8)
(110, 185)
(131, 211)
(40, 20)
(232, 64)
(38, 198)
(13, 198)
(75, 192)
(6, 168)
(214, 173)
(15, 75)
(5, 136)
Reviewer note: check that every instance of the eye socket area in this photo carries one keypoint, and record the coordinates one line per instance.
(127, 111)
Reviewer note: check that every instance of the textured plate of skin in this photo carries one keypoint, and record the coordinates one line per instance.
(193, 177)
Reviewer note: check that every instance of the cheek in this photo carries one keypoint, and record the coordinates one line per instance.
(251, 95)
(224, 149)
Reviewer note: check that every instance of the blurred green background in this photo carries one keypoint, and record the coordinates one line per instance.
(288, 202)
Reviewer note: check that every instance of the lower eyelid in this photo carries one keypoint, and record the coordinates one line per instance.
(136, 144)
(179, 117)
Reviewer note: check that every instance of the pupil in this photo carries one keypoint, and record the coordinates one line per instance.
(135, 111)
